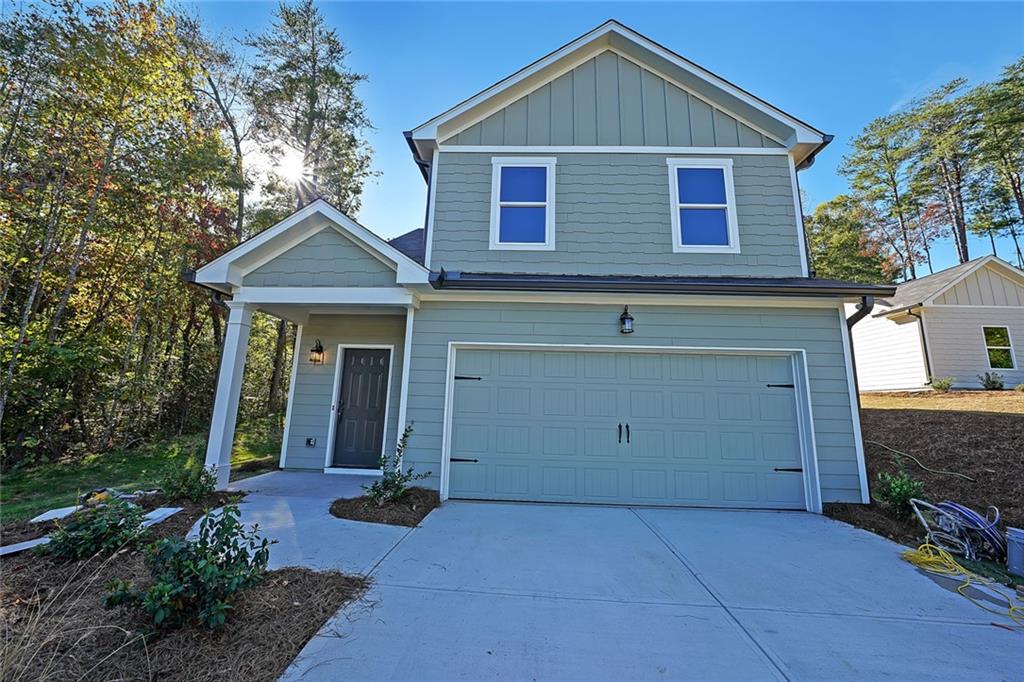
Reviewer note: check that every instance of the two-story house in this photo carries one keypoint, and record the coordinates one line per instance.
(609, 302)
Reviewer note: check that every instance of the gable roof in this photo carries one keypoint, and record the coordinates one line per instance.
(226, 271)
(803, 139)
(923, 290)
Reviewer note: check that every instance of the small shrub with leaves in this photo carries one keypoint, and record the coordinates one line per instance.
(897, 491)
(96, 530)
(991, 381)
(195, 581)
(393, 483)
(942, 384)
(1019, 388)
(190, 482)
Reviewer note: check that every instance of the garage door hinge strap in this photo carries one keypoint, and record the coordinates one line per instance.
(460, 377)
(785, 469)
(462, 459)
(780, 385)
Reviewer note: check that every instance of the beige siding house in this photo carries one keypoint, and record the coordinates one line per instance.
(959, 323)
(609, 301)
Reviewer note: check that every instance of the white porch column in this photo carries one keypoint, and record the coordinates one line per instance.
(229, 386)
(403, 395)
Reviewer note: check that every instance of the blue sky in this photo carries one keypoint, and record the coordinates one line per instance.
(835, 65)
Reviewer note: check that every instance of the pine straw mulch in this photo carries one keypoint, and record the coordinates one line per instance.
(986, 446)
(54, 626)
(408, 511)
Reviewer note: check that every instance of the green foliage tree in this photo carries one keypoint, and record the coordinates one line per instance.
(839, 240)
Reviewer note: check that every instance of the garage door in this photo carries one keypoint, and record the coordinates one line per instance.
(625, 428)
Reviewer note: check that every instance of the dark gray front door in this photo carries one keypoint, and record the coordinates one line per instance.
(362, 408)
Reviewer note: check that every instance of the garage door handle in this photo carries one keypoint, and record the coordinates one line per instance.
(627, 433)
(462, 459)
(796, 470)
(620, 433)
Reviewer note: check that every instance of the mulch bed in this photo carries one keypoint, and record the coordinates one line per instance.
(987, 447)
(408, 511)
(54, 626)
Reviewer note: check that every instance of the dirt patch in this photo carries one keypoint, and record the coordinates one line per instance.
(408, 511)
(54, 625)
(985, 446)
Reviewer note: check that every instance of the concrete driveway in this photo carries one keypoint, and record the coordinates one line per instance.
(523, 591)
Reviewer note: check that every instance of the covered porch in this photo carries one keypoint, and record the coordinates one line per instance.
(353, 298)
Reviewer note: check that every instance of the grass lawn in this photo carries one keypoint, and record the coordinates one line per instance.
(976, 433)
(27, 492)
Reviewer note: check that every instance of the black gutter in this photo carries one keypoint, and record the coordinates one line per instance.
(188, 276)
(809, 159)
(420, 161)
(867, 303)
(653, 285)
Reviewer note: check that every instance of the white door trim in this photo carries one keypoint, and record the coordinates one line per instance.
(332, 424)
(805, 418)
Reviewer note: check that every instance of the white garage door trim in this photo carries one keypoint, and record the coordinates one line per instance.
(798, 358)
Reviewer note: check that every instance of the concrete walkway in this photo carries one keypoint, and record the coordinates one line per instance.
(516, 591)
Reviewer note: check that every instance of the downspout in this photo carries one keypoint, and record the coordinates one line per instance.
(867, 304)
(924, 344)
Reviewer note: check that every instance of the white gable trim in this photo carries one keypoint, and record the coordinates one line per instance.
(1003, 269)
(429, 130)
(229, 269)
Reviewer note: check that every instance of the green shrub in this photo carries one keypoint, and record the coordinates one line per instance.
(394, 482)
(991, 381)
(195, 581)
(189, 482)
(897, 491)
(942, 384)
(97, 530)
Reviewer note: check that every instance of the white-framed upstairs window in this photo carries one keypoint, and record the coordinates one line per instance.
(703, 206)
(523, 204)
(999, 347)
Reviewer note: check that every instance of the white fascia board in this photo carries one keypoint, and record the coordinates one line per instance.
(326, 296)
(230, 267)
(599, 39)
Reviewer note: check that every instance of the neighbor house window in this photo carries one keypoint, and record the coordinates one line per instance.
(523, 204)
(997, 343)
(703, 206)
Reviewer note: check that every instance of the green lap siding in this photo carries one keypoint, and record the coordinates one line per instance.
(310, 415)
(815, 330)
(326, 259)
(613, 217)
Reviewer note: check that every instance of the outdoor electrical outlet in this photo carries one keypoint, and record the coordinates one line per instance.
(310, 442)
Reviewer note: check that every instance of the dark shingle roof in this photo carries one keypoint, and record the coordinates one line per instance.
(411, 244)
(918, 290)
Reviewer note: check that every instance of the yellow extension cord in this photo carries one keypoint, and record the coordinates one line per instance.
(933, 559)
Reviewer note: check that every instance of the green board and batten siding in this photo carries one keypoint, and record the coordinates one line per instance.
(613, 217)
(817, 330)
(609, 100)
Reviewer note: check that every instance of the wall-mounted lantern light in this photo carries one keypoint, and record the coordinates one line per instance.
(625, 321)
(316, 353)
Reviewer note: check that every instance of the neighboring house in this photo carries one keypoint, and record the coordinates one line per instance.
(959, 323)
(610, 173)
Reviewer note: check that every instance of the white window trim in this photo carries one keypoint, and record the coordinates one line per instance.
(730, 206)
(497, 163)
(988, 358)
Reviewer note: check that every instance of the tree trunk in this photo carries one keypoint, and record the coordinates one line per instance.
(276, 375)
(83, 235)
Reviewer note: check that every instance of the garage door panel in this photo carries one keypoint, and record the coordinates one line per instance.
(553, 431)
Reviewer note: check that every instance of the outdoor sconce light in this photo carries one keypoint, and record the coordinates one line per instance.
(625, 321)
(316, 353)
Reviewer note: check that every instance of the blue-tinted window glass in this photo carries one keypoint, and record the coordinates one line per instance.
(704, 227)
(519, 183)
(521, 225)
(701, 185)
